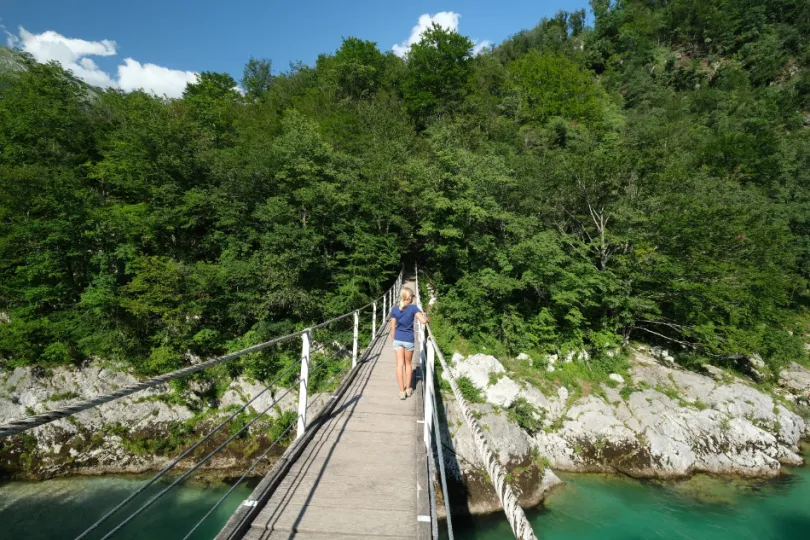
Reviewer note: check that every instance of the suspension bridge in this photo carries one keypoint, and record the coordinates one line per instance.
(363, 463)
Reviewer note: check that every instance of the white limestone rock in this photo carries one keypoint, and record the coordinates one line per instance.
(242, 390)
(535, 398)
(796, 379)
(503, 393)
(616, 378)
(477, 369)
(457, 357)
(523, 357)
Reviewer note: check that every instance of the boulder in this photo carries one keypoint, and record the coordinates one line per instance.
(457, 357)
(616, 378)
(523, 357)
(534, 397)
(477, 369)
(503, 393)
(796, 379)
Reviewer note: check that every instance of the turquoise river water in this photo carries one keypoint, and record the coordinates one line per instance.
(588, 506)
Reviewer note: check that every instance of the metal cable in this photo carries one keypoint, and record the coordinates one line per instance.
(322, 392)
(241, 479)
(438, 441)
(187, 473)
(514, 513)
(177, 460)
(18, 426)
(434, 524)
(191, 470)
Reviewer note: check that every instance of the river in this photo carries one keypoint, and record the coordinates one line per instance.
(703, 507)
(587, 507)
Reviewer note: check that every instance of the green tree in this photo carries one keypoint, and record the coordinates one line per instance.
(437, 78)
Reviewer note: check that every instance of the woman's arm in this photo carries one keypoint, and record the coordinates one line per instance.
(422, 317)
(393, 327)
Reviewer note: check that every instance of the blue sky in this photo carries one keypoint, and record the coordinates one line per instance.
(168, 41)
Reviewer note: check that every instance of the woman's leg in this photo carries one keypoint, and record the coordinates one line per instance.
(408, 369)
(400, 356)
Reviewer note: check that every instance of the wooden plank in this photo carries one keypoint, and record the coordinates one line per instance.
(360, 492)
(264, 534)
(328, 519)
(363, 484)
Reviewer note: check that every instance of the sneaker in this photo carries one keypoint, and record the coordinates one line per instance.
(409, 392)
(402, 395)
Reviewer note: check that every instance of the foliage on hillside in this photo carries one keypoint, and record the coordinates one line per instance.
(646, 178)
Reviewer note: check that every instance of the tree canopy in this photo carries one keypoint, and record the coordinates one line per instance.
(647, 178)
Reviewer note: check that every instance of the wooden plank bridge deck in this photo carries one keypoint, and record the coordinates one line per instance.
(359, 476)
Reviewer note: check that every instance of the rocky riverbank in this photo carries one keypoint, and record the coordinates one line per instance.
(136, 434)
(655, 421)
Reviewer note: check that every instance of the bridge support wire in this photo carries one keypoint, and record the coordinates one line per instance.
(514, 513)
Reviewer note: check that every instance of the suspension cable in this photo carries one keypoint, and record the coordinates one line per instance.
(185, 475)
(438, 441)
(514, 513)
(241, 479)
(177, 460)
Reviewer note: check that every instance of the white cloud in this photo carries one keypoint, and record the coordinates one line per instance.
(132, 75)
(481, 46)
(11, 39)
(73, 55)
(447, 20)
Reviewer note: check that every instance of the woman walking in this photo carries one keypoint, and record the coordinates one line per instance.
(402, 317)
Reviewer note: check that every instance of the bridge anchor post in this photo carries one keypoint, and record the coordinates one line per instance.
(356, 336)
(303, 389)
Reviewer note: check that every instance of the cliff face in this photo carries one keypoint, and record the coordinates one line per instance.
(664, 422)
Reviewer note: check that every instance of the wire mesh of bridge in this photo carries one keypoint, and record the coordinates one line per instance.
(328, 351)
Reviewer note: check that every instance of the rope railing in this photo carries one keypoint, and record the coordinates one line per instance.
(521, 527)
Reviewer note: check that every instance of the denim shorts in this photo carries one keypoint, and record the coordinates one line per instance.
(407, 345)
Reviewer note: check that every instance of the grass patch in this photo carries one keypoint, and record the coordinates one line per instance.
(526, 416)
(469, 391)
(63, 396)
(627, 391)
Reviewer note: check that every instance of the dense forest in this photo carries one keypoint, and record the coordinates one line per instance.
(646, 178)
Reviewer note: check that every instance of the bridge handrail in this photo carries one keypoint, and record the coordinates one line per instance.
(300, 420)
(514, 513)
(16, 427)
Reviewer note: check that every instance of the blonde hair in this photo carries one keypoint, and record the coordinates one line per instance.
(406, 292)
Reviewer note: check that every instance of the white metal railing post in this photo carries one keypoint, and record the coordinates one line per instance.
(303, 388)
(356, 336)
(384, 311)
(429, 395)
(374, 320)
